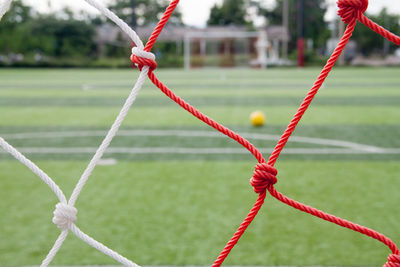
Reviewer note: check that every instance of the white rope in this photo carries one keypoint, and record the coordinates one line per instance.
(110, 135)
(144, 54)
(56, 247)
(64, 216)
(99, 246)
(35, 169)
(65, 212)
(85, 177)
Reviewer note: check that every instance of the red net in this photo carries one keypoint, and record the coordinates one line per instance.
(264, 177)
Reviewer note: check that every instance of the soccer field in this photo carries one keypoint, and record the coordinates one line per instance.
(172, 191)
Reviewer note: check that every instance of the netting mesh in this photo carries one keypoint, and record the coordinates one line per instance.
(264, 177)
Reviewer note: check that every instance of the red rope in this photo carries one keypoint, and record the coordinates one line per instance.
(161, 24)
(393, 261)
(264, 176)
(195, 112)
(311, 94)
(380, 30)
(141, 61)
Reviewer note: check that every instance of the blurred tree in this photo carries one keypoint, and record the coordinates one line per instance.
(62, 37)
(369, 42)
(231, 12)
(12, 26)
(65, 37)
(18, 13)
(143, 12)
(316, 28)
(58, 35)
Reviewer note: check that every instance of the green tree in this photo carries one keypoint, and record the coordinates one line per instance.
(143, 12)
(62, 37)
(18, 13)
(369, 42)
(13, 26)
(316, 28)
(231, 12)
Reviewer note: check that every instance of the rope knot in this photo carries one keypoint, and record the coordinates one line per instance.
(64, 216)
(142, 58)
(264, 176)
(393, 261)
(350, 9)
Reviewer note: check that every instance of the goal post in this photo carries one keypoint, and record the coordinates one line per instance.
(222, 48)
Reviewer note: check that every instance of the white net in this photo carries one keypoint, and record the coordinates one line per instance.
(65, 214)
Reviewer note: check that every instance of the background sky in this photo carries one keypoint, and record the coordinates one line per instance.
(195, 12)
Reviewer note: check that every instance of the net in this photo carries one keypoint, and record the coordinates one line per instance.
(264, 177)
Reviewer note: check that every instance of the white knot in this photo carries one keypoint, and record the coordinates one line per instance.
(143, 54)
(64, 216)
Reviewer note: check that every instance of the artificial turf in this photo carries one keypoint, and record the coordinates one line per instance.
(181, 213)
(181, 209)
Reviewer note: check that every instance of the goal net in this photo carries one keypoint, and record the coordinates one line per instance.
(232, 46)
(265, 175)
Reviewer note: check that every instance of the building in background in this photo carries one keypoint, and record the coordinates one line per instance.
(213, 46)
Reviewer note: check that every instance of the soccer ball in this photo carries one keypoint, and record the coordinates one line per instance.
(257, 118)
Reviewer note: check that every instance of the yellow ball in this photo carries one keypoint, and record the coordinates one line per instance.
(257, 118)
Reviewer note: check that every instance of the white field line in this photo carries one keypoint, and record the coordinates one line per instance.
(182, 133)
(197, 151)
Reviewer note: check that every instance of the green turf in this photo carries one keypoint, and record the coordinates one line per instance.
(171, 115)
(371, 135)
(123, 91)
(183, 217)
(197, 101)
(180, 209)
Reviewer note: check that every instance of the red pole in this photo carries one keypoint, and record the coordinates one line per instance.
(300, 52)
(300, 31)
